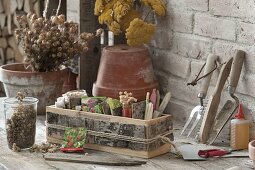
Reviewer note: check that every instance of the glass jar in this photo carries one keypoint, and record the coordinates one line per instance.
(20, 121)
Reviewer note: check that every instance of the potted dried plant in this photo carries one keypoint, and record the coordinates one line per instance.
(127, 67)
(48, 43)
(124, 16)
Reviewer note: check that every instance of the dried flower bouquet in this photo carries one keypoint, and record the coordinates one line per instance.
(49, 43)
(123, 16)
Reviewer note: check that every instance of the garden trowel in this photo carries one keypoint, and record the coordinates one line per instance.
(197, 111)
(230, 107)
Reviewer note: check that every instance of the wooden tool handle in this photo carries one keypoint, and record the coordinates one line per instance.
(210, 64)
(236, 68)
(212, 107)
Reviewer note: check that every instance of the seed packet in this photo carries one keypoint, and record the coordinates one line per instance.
(93, 104)
(74, 137)
(138, 110)
(115, 106)
(106, 108)
(73, 98)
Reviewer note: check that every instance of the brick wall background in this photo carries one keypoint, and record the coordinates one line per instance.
(206, 26)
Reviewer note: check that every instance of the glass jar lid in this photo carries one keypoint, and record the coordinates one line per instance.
(25, 101)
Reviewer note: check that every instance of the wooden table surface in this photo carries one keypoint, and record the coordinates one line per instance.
(25, 160)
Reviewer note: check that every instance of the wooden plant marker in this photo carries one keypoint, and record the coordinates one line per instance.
(162, 106)
(153, 98)
(149, 108)
(158, 100)
(149, 113)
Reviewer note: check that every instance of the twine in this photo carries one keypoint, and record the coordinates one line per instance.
(117, 136)
(168, 141)
(129, 138)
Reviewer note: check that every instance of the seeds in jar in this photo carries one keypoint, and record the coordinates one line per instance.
(21, 127)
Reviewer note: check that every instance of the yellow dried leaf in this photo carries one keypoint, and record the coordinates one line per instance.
(121, 8)
(139, 32)
(115, 28)
(105, 17)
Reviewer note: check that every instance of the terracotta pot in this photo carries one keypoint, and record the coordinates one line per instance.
(70, 82)
(124, 68)
(251, 148)
(45, 86)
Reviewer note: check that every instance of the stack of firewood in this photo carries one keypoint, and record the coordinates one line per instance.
(9, 9)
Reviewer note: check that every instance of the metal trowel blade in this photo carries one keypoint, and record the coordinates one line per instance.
(222, 118)
(190, 152)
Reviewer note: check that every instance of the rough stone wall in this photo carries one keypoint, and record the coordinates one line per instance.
(203, 26)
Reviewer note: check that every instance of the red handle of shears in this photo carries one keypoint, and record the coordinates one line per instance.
(71, 150)
(212, 153)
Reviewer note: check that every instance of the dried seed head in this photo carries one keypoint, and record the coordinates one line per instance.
(61, 19)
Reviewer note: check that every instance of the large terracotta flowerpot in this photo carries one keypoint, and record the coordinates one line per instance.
(45, 86)
(251, 148)
(124, 68)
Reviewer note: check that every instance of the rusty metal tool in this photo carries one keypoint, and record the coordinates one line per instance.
(213, 103)
(198, 110)
(229, 107)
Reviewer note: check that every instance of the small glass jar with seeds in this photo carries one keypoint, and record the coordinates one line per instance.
(20, 121)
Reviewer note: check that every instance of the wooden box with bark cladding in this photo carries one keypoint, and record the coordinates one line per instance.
(133, 137)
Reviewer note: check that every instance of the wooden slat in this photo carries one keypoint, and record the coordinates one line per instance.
(93, 159)
(109, 118)
(141, 154)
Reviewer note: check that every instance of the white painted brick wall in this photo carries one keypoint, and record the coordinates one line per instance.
(243, 9)
(172, 63)
(182, 21)
(246, 33)
(226, 49)
(199, 5)
(191, 45)
(213, 27)
(183, 92)
(162, 39)
(206, 26)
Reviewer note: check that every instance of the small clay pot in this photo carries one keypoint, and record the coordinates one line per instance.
(252, 152)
